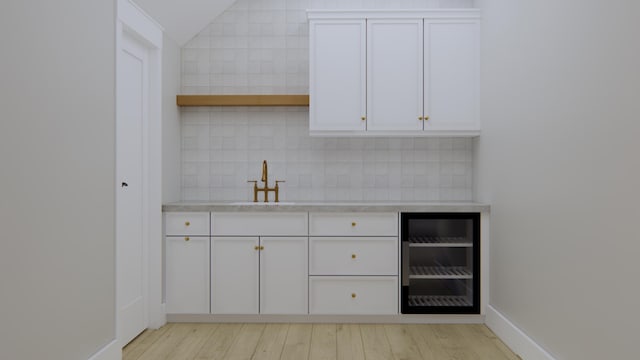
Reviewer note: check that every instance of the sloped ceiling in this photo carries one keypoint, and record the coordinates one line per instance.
(183, 19)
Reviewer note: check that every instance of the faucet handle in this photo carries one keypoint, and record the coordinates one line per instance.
(253, 181)
(279, 181)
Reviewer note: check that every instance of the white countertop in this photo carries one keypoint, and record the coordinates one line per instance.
(363, 206)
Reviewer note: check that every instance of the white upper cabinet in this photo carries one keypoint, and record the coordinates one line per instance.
(337, 56)
(451, 67)
(418, 71)
(394, 75)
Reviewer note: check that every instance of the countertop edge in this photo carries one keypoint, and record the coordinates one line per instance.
(328, 207)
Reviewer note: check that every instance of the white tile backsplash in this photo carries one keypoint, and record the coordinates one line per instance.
(262, 47)
(223, 149)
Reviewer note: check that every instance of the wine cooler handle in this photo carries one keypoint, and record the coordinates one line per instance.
(405, 263)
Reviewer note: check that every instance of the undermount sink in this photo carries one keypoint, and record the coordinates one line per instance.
(261, 203)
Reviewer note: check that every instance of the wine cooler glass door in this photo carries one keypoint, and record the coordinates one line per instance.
(440, 263)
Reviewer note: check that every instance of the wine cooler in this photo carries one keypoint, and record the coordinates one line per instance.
(440, 263)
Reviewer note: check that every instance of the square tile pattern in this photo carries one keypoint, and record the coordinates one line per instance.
(261, 47)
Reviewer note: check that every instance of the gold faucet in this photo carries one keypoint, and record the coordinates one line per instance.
(265, 189)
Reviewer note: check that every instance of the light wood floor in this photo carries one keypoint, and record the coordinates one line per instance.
(318, 341)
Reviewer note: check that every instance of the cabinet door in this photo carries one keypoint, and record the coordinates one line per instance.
(394, 75)
(234, 275)
(283, 275)
(337, 75)
(451, 75)
(187, 275)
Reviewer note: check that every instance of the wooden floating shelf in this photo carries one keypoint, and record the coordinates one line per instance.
(242, 100)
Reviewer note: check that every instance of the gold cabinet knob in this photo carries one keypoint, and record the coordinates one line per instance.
(353, 295)
(353, 256)
(353, 224)
(420, 118)
(186, 223)
(363, 118)
(256, 247)
(186, 238)
(261, 247)
(426, 118)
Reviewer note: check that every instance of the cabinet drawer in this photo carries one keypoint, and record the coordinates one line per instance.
(353, 255)
(259, 224)
(353, 295)
(187, 223)
(353, 224)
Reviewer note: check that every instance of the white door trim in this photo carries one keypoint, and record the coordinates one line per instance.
(133, 21)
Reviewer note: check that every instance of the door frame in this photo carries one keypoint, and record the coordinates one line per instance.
(134, 22)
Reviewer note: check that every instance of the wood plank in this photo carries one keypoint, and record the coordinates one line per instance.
(485, 343)
(323, 342)
(425, 339)
(298, 342)
(497, 342)
(245, 343)
(242, 100)
(376, 345)
(142, 343)
(272, 342)
(453, 342)
(167, 342)
(349, 342)
(402, 345)
(197, 336)
(219, 342)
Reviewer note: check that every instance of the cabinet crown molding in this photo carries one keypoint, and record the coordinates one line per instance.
(470, 13)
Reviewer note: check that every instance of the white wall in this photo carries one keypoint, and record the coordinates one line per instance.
(558, 161)
(57, 155)
(170, 121)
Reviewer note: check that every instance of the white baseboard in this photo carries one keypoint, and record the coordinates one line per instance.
(514, 338)
(110, 352)
(363, 319)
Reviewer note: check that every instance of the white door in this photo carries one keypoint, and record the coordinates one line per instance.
(394, 75)
(337, 75)
(451, 67)
(131, 256)
(234, 275)
(283, 275)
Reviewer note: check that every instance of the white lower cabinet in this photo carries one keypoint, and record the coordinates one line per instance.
(353, 263)
(259, 275)
(187, 274)
(340, 295)
(283, 275)
(282, 263)
(234, 275)
(259, 263)
(187, 262)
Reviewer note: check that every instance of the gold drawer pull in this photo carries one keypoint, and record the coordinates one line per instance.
(186, 223)
(353, 224)
(353, 256)
(353, 295)
(186, 238)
